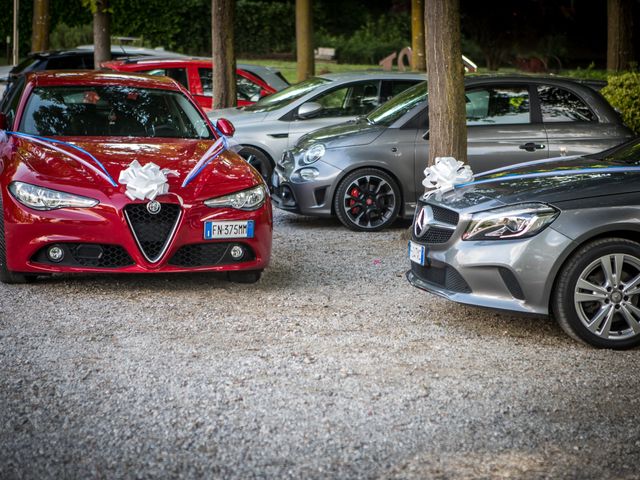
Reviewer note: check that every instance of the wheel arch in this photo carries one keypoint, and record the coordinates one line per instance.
(261, 149)
(355, 168)
(628, 232)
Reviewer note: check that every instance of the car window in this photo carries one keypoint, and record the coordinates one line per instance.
(11, 100)
(247, 90)
(391, 88)
(497, 106)
(285, 97)
(390, 111)
(560, 105)
(350, 100)
(111, 110)
(71, 62)
(178, 74)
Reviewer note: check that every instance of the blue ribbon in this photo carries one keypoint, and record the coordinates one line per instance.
(66, 144)
(554, 173)
(192, 175)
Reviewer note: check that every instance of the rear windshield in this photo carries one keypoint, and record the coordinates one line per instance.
(112, 110)
(389, 112)
(285, 97)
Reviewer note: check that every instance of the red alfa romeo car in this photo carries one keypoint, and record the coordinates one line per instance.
(104, 172)
(195, 74)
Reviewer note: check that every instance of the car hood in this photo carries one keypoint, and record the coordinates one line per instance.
(237, 116)
(346, 134)
(43, 166)
(553, 182)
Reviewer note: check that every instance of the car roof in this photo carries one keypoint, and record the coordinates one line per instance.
(373, 75)
(524, 78)
(91, 77)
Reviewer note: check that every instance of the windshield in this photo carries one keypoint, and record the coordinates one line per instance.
(112, 110)
(628, 153)
(389, 112)
(285, 97)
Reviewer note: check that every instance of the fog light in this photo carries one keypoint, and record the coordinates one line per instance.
(237, 252)
(309, 173)
(55, 254)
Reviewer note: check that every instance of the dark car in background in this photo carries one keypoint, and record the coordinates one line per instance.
(561, 239)
(369, 172)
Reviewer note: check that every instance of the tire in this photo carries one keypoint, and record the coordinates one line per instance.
(367, 200)
(596, 298)
(7, 276)
(259, 160)
(251, 276)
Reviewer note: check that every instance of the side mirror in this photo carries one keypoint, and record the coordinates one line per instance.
(309, 109)
(225, 127)
(3, 121)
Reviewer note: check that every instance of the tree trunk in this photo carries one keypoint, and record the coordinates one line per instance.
(224, 55)
(41, 22)
(101, 33)
(619, 32)
(304, 39)
(445, 73)
(15, 57)
(418, 60)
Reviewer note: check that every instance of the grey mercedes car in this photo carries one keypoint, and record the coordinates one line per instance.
(561, 239)
(276, 122)
(369, 172)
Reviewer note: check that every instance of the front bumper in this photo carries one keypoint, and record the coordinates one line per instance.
(100, 239)
(289, 191)
(514, 275)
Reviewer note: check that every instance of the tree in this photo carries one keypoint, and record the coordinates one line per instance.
(418, 60)
(445, 74)
(304, 39)
(101, 30)
(224, 56)
(619, 34)
(41, 22)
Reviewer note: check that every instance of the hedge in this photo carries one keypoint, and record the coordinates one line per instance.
(623, 92)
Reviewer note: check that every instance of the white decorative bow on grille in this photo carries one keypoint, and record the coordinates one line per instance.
(446, 173)
(145, 182)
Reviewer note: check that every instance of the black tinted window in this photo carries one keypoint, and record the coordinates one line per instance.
(11, 100)
(559, 105)
(72, 62)
(178, 74)
(497, 106)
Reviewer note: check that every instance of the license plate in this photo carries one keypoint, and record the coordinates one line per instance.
(417, 253)
(238, 229)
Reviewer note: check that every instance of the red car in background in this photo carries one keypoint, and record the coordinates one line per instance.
(195, 74)
(123, 173)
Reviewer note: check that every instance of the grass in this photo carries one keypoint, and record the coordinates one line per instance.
(288, 68)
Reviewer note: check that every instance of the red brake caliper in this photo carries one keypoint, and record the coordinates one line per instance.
(352, 203)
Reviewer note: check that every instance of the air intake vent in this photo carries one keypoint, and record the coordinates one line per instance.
(153, 232)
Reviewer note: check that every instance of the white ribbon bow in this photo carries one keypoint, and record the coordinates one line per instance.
(145, 182)
(446, 173)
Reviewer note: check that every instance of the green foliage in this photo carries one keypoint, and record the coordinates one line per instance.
(63, 36)
(623, 92)
(264, 27)
(373, 41)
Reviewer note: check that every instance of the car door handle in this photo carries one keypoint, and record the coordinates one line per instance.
(531, 147)
(278, 135)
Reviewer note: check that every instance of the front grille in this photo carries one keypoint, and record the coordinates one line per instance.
(152, 232)
(442, 275)
(92, 255)
(445, 215)
(208, 254)
(436, 235)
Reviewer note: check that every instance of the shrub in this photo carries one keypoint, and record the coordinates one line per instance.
(64, 36)
(623, 92)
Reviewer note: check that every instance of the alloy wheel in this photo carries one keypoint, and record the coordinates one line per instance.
(369, 202)
(606, 296)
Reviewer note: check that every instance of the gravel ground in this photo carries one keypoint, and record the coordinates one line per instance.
(332, 366)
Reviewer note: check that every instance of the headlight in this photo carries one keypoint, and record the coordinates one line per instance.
(40, 198)
(516, 221)
(313, 154)
(250, 199)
